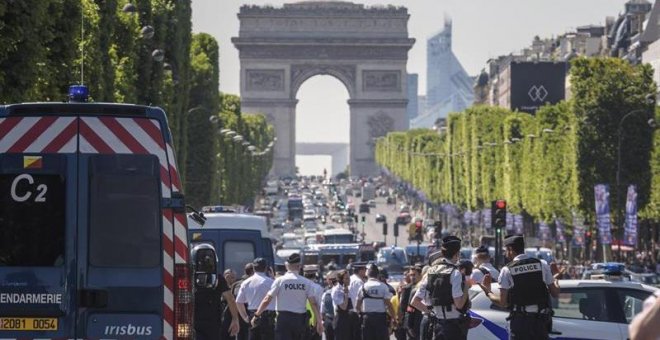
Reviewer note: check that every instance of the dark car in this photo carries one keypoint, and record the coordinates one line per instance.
(381, 218)
(364, 208)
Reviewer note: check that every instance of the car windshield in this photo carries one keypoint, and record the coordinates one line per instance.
(392, 259)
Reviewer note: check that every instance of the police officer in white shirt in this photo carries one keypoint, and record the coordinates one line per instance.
(443, 292)
(291, 293)
(525, 287)
(374, 304)
(251, 292)
(357, 280)
(482, 266)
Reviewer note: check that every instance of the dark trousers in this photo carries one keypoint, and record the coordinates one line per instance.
(328, 329)
(374, 326)
(423, 331)
(265, 330)
(528, 326)
(207, 330)
(449, 329)
(290, 326)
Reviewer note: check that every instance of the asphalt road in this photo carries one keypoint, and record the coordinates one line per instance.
(374, 230)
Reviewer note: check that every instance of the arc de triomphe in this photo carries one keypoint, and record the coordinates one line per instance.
(366, 48)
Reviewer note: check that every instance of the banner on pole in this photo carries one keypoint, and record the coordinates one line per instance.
(578, 231)
(544, 232)
(602, 194)
(630, 232)
(518, 226)
(560, 231)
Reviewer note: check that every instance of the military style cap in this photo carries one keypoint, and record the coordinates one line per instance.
(482, 250)
(451, 243)
(511, 240)
(259, 261)
(293, 258)
(311, 268)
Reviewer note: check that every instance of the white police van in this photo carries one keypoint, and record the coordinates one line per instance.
(93, 237)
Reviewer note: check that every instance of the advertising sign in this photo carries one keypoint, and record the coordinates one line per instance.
(534, 84)
(602, 194)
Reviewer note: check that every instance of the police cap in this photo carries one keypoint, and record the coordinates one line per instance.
(451, 243)
(358, 265)
(311, 268)
(259, 262)
(482, 250)
(331, 275)
(293, 258)
(372, 270)
(514, 240)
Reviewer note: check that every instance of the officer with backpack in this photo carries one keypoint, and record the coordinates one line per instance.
(374, 304)
(291, 293)
(525, 286)
(444, 289)
(483, 266)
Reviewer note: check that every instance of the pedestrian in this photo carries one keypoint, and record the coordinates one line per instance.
(444, 289)
(412, 317)
(244, 326)
(525, 286)
(482, 266)
(291, 293)
(374, 304)
(327, 307)
(251, 292)
(343, 304)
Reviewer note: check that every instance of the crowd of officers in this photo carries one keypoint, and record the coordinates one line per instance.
(358, 304)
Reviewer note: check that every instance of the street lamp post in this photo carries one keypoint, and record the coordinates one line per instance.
(620, 220)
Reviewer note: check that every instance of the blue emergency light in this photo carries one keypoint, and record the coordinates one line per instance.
(78, 93)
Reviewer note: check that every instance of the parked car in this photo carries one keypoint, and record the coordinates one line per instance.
(381, 218)
(585, 309)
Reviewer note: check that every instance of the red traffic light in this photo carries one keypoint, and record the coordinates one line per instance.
(500, 204)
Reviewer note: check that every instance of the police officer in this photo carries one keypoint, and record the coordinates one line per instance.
(251, 292)
(483, 266)
(310, 272)
(357, 280)
(244, 326)
(327, 307)
(374, 304)
(445, 290)
(208, 311)
(341, 300)
(525, 286)
(291, 293)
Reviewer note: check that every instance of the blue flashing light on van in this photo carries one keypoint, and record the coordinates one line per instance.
(93, 240)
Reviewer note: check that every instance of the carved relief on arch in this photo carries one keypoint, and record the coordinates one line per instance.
(379, 125)
(344, 72)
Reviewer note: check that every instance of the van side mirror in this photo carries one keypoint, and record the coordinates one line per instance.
(205, 264)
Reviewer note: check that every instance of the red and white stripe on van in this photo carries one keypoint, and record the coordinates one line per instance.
(120, 135)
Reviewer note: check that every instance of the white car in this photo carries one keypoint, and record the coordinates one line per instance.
(585, 309)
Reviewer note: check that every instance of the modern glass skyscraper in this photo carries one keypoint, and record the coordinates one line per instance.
(448, 86)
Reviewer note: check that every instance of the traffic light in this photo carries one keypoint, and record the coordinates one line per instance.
(437, 233)
(498, 212)
(363, 218)
(419, 233)
(384, 228)
(396, 230)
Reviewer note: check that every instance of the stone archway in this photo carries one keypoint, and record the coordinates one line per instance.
(366, 48)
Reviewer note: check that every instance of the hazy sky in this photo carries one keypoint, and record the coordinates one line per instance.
(481, 29)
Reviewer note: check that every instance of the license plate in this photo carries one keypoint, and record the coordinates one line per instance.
(28, 324)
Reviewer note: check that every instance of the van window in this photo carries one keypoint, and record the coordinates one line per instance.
(237, 254)
(32, 219)
(124, 214)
